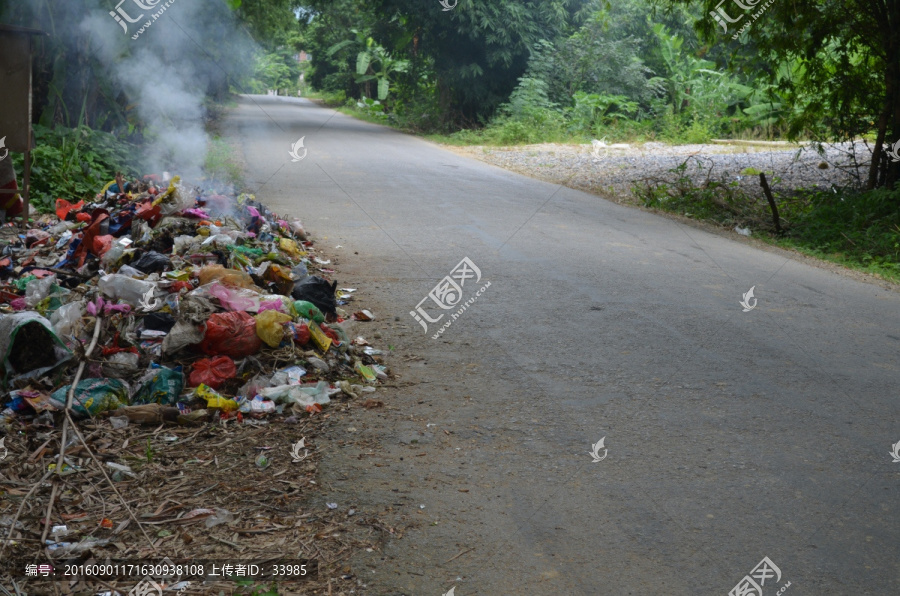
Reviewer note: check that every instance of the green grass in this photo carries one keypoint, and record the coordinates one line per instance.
(860, 230)
(222, 162)
(855, 229)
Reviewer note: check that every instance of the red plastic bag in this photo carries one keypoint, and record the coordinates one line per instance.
(212, 372)
(63, 207)
(231, 334)
(331, 333)
(300, 333)
(102, 244)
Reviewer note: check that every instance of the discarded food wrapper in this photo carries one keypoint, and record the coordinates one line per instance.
(364, 315)
(322, 341)
(364, 371)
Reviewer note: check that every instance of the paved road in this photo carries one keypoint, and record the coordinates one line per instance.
(730, 436)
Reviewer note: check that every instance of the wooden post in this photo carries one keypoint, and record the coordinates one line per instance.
(765, 186)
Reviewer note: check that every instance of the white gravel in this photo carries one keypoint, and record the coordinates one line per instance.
(613, 172)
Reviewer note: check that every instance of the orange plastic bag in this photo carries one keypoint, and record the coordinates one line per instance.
(231, 277)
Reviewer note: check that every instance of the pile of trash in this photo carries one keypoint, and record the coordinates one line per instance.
(161, 302)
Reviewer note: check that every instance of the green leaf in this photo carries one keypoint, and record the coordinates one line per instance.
(362, 62)
(382, 89)
(338, 46)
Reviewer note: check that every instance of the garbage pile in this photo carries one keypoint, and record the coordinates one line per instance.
(165, 303)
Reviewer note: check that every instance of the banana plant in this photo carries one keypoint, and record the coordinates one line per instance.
(387, 65)
(370, 55)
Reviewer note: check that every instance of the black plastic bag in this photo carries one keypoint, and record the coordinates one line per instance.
(318, 291)
(159, 322)
(152, 262)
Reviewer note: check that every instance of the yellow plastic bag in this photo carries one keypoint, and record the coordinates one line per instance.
(290, 247)
(269, 326)
(215, 400)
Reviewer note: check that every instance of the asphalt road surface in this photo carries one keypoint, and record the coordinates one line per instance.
(729, 436)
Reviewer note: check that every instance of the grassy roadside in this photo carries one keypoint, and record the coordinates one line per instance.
(854, 229)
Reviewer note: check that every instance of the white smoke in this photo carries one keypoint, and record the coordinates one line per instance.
(165, 65)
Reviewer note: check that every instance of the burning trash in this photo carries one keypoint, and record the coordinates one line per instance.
(162, 293)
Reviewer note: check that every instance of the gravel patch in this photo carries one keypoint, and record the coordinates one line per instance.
(613, 172)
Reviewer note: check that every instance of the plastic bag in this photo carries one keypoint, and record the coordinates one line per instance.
(38, 289)
(292, 375)
(159, 385)
(303, 395)
(28, 346)
(174, 199)
(231, 277)
(318, 291)
(152, 262)
(231, 334)
(93, 396)
(216, 400)
(269, 327)
(300, 333)
(234, 298)
(278, 278)
(212, 372)
(182, 335)
(297, 228)
(66, 320)
(279, 303)
(127, 289)
(308, 310)
(63, 207)
(290, 247)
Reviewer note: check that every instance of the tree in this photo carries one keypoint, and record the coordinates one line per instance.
(846, 65)
(478, 50)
